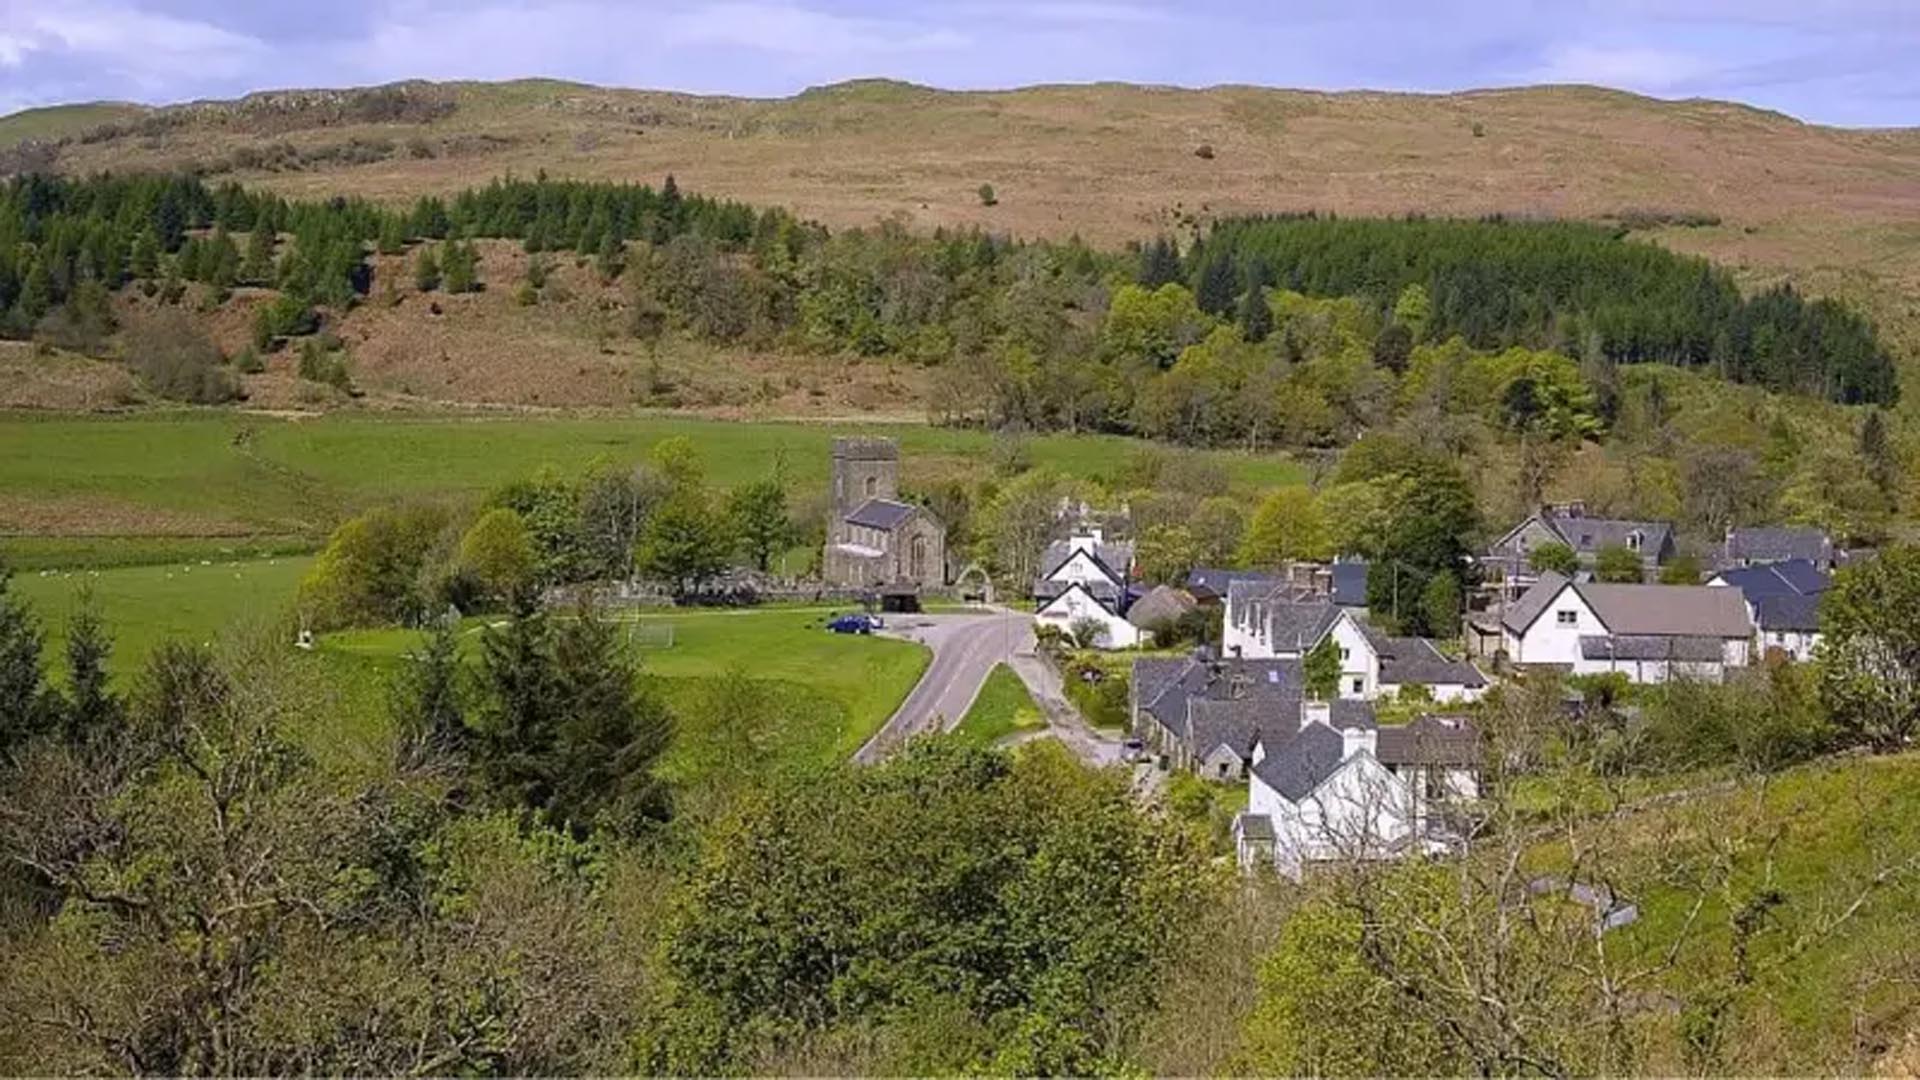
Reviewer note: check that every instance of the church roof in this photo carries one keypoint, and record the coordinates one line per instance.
(883, 514)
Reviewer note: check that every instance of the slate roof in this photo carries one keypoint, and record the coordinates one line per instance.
(1668, 609)
(1684, 648)
(1790, 613)
(1794, 577)
(1587, 535)
(1104, 591)
(1114, 557)
(1350, 583)
(1216, 581)
(1778, 544)
(1290, 623)
(1164, 686)
(1405, 661)
(1299, 764)
(1534, 601)
(883, 514)
(1429, 740)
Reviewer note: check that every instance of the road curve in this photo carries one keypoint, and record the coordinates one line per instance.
(965, 650)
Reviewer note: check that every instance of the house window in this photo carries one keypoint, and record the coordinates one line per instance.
(1345, 653)
(1357, 684)
(873, 485)
(1436, 783)
(1567, 618)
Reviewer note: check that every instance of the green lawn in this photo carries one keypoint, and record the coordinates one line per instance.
(828, 693)
(1003, 708)
(211, 480)
(146, 605)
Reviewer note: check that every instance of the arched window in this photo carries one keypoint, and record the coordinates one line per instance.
(873, 485)
(918, 558)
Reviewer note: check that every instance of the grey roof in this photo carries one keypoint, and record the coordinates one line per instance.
(883, 514)
(1685, 648)
(1115, 557)
(1163, 687)
(1291, 623)
(1216, 581)
(1429, 740)
(1534, 601)
(1777, 544)
(1669, 609)
(1587, 535)
(1104, 591)
(1163, 603)
(1350, 583)
(1405, 661)
(1792, 612)
(1300, 763)
(1793, 577)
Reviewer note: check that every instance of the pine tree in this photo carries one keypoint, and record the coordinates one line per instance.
(220, 261)
(612, 257)
(427, 703)
(1159, 263)
(92, 710)
(23, 702)
(393, 237)
(1256, 315)
(611, 735)
(426, 270)
(461, 265)
(145, 260)
(518, 708)
(1214, 291)
(257, 267)
(36, 293)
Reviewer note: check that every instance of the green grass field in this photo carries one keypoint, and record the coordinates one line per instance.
(102, 490)
(146, 605)
(1003, 708)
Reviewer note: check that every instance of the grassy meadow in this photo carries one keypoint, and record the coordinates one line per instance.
(1003, 708)
(100, 491)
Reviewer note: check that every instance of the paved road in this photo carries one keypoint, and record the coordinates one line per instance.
(965, 649)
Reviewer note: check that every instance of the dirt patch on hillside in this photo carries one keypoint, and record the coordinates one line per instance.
(91, 515)
(33, 379)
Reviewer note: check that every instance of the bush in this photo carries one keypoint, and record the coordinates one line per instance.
(177, 360)
(987, 196)
(280, 318)
(1204, 151)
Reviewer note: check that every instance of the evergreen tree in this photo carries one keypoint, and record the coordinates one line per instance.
(393, 237)
(144, 263)
(1159, 264)
(36, 294)
(1213, 291)
(1256, 315)
(611, 733)
(220, 261)
(23, 701)
(426, 270)
(257, 267)
(611, 258)
(1393, 348)
(461, 265)
(427, 704)
(518, 708)
(92, 709)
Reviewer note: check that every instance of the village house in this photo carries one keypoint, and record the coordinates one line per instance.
(1507, 563)
(1783, 599)
(874, 540)
(1203, 714)
(1343, 581)
(1650, 633)
(1264, 621)
(1766, 545)
(1328, 790)
(1086, 577)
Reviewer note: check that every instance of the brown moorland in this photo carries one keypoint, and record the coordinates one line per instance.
(1836, 211)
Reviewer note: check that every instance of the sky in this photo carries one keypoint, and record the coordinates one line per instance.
(1847, 62)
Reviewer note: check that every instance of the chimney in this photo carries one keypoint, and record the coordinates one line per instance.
(1354, 740)
(1315, 712)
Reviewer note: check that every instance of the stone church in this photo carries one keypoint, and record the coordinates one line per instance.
(875, 541)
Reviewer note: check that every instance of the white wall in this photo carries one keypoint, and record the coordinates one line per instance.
(1358, 661)
(1081, 567)
(1547, 641)
(1075, 604)
(1797, 644)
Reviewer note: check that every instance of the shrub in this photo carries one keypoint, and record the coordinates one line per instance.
(987, 196)
(1204, 151)
(177, 360)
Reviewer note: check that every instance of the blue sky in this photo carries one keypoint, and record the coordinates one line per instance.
(1854, 62)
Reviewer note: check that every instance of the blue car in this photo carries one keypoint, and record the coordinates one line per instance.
(854, 624)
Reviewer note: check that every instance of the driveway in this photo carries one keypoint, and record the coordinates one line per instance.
(965, 649)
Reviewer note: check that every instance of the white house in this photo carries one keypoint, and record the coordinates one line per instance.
(1783, 599)
(1263, 621)
(1085, 577)
(1330, 791)
(1650, 633)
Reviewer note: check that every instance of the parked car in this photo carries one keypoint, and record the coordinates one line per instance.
(1136, 751)
(856, 623)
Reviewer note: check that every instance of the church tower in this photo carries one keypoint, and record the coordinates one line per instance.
(863, 468)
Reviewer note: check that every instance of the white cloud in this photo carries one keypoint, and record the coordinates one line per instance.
(793, 30)
(148, 52)
(1630, 67)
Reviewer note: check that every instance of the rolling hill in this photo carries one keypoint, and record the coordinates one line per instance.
(1835, 211)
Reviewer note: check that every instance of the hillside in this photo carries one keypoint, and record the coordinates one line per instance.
(1834, 209)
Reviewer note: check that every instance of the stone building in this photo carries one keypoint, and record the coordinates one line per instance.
(875, 541)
